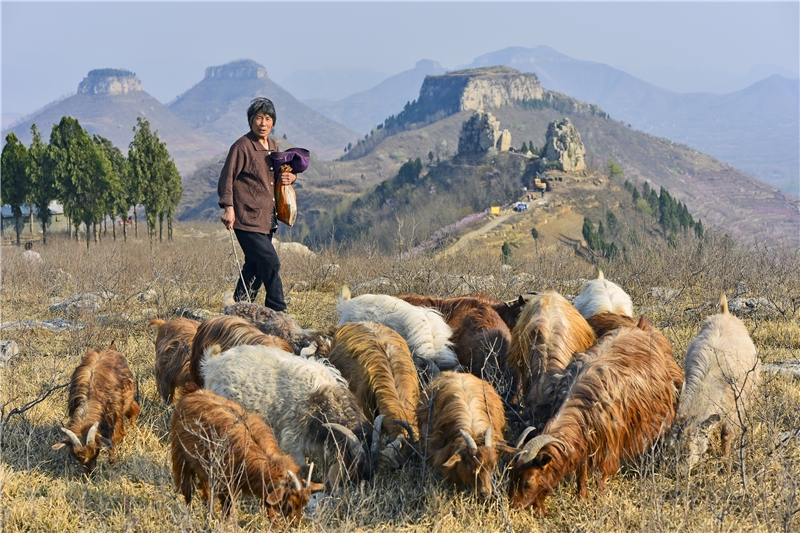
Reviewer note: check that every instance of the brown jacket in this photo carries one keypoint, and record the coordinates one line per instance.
(247, 182)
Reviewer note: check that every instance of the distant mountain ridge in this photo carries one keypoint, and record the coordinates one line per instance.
(717, 193)
(364, 110)
(754, 129)
(216, 107)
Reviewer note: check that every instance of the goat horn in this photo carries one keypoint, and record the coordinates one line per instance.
(487, 438)
(473, 448)
(295, 482)
(376, 433)
(76, 443)
(91, 437)
(521, 439)
(405, 425)
(310, 469)
(352, 440)
(389, 457)
(537, 443)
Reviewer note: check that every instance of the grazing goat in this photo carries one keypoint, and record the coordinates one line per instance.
(461, 430)
(622, 399)
(604, 322)
(216, 439)
(101, 393)
(304, 342)
(173, 345)
(306, 402)
(723, 372)
(480, 336)
(603, 296)
(376, 362)
(227, 332)
(549, 332)
(427, 334)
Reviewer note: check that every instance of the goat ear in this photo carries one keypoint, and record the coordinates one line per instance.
(274, 497)
(504, 448)
(59, 445)
(454, 459)
(542, 459)
(106, 443)
(113, 345)
(314, 487)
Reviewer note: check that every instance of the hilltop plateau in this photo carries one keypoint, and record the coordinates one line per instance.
(216, 107)
(718, 194)
(108, 102)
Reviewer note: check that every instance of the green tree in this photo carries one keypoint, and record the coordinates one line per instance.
(151, 168)
(15, 187)
(44, 190)
(614, 170)
(115, 199)
(612, 222)
(409, 172)
(430, 156)
(535, 235)
(81, 172)
(174, 194)
(524, 149)
(506, 253)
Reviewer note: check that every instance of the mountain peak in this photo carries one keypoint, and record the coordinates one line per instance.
(109, 81)
(242, 69)
(428, 64)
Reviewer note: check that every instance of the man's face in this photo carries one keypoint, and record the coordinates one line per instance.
(261, 124)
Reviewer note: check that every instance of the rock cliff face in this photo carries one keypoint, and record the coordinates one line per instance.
(564, 145)
(481, 133)
(109, 81)
(478, 89)
(245, 69)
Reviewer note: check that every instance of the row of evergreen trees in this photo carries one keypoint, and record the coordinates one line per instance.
(91, 178)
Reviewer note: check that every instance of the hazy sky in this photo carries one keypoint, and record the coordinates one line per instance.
(47, 48)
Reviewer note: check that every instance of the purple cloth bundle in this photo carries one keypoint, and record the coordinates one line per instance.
(297, 158)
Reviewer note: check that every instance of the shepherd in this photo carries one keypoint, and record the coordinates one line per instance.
(246, 191)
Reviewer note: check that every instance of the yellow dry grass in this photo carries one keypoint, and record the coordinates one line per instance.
(755, 489)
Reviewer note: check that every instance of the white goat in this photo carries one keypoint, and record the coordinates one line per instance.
(423, 328)
(723, 371)
(603, 296)
(306, 402)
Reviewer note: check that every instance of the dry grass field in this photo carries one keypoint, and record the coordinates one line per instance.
(756, 488)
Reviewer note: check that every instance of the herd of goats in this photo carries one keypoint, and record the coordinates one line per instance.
(260, 400)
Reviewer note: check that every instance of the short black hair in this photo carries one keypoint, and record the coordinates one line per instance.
(261, 104)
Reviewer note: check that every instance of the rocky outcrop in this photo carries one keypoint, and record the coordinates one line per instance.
(245, 69)
(481, 133)
(109, 81)
(479, 89)
(564, 145)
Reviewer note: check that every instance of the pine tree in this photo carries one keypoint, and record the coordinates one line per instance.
(44, 190)
(15, 183)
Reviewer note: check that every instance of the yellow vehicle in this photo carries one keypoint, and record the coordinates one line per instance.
(539, 185)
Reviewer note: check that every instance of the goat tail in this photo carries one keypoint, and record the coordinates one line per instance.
(227, 299)
(157, 322)
(344, 295)
(600, 274)
(723, 303)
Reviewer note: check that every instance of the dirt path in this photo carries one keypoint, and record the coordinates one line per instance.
(464, 241)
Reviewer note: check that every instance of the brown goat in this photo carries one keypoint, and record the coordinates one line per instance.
(549, 332)
(227, 332)
(215, 438)
(622, 399)
(602, 323)
(173, 345)
(376, 362)
(461, 430)
(480, 336)
(101, 394)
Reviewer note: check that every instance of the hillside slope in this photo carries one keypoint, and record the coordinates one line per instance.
(217, 108)
(755, 129)
(114, 115)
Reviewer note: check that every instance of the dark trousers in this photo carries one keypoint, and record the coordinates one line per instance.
(261, 267)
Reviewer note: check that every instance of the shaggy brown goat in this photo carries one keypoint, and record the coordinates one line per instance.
(480, 336)
(101, 394)
(227, 332)
(173, 345)
(376, 362)
(602, 323)
(461, 430)
(215, 438)
(549, 332)
(622, 399)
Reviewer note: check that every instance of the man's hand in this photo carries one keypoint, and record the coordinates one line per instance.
(228, 218)
(287, 178)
